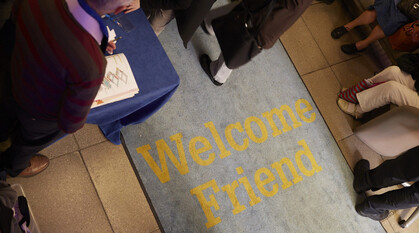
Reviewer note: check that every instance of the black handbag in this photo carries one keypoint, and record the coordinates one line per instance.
(237, 36)
(410, 8)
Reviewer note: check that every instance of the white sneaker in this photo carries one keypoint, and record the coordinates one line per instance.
(350, 108)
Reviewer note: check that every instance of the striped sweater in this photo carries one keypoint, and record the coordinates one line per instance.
(57, 66)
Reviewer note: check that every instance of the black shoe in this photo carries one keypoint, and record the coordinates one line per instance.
(361, 210)
(361, 183)
(338, 32)
(350, 49)
(205, 62)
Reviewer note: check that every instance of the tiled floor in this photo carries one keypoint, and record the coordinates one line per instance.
(91, 187)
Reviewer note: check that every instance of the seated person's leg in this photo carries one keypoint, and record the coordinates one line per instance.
(393, 73)
(389, 173)
(385, 93)
(376, 207)
(396, 171)
(376, 34)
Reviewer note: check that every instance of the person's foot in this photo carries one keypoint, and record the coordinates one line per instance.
(338, 32)
(362, 209)
(37, 164)
(361, 183)
(350, 108)
(205, 62)
(350, 49)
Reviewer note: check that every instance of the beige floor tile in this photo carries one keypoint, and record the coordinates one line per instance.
(354, 149)
(324, 87)
(321, 19)
(63, 198)
(89, 135)
(64, 146)
(303, 49)
(348, 76)
(119, 189)
(387, 226)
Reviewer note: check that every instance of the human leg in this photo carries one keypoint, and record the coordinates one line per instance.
(376, 207)
(385, 93)
(219, 69)
(396, 171)
(376, 34)
(160, 18)
(366, 17)
(7, 114)
(215, 13)
(32, 136)
(350, 93)
(394, 73)
(390, 172)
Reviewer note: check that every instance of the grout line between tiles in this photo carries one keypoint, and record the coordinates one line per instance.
(97, 193)
(77, 142)
(79, 150)
(391, 225)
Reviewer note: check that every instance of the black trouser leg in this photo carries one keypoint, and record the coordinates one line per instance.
(33, 136)
(7, 114)
(404, 198)
(396, 171)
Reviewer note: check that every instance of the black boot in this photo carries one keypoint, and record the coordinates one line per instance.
(366, 210)
(362, 181)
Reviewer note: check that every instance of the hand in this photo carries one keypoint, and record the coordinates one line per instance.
(134, 5)
(111, 47)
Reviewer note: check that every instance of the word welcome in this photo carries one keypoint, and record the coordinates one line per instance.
(199, 144)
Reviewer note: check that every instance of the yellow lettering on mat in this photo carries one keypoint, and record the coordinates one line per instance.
(264, 179)
(162, 149)
(205, 204)
(202, 152)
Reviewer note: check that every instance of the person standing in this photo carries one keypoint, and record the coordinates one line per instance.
(278, 20)
(57, 65)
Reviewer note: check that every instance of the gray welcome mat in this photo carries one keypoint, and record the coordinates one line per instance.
(253, 155)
